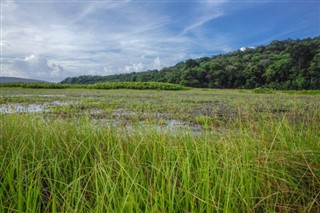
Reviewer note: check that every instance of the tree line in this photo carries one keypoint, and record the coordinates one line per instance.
(288, 64)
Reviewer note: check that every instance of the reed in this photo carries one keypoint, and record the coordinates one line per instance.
(75, 165)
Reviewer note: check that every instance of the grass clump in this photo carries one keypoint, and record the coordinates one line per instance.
(302, 92)
(75, 165)
(159, 151)
(260, 90)
(44, 86)
(37, 85)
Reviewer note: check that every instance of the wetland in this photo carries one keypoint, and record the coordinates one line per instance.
(197, 150)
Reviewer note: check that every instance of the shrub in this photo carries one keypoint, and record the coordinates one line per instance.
(136, 85)
(263, 90)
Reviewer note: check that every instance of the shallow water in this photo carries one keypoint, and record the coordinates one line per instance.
(20, 95)
(31, 108)
(169, 126)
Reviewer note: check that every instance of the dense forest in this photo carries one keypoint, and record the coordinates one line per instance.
(288, 64)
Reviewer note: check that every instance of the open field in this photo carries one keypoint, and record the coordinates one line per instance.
(88, 150)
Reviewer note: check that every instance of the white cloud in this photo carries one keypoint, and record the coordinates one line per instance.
(205, 11)
(32, 66)
(201, 21)
(108, 70)
(9, 5)
(5, 44)
(158, 64)
(245, 48)
(99, 37)
(93, 72)
(110, 37)
(134, 67)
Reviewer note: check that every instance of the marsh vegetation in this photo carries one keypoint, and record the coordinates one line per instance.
(197, 150)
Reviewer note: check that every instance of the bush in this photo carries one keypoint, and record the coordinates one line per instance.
(136, 85)
(45, 85)
(263, 90)
(104, 85)
(37, 85)
(302, 92)
(11, 84)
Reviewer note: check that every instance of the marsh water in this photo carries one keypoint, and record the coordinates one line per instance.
(194, 111)
(119, 116)
(31, 108)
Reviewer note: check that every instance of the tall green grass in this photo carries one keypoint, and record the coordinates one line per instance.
(269, 164)
(302, 92)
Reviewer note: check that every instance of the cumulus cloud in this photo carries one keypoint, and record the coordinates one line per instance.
(108, 70)
(81, 38)
(32, 66)
(158, 64)
(9, 5)
(101, 70)
(245, 48)
(134, 67)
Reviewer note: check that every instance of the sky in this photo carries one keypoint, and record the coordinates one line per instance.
(54, 39)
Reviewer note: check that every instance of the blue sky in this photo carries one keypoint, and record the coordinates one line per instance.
(51, 40)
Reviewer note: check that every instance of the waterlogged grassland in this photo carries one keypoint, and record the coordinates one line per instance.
(160, 151)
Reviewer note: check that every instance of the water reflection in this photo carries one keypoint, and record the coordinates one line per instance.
(31, 108)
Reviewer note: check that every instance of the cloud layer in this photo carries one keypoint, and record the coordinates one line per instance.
(32, 66)
(51, 40)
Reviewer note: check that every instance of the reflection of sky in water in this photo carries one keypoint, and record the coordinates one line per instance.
(171, 127)
(30, 108)
(33, 96)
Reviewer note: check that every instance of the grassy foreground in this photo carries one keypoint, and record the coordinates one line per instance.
(58, 164)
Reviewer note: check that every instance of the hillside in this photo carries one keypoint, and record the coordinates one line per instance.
(14, 79)
(288, 64)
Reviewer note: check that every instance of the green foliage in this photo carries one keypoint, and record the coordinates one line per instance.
(45, 86)
(136, 85)
(288, 64)
(104, 85)
(11, 84)
(38, 85)
(302, 92)
(263, 90)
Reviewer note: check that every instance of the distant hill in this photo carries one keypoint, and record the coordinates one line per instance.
(14, 79)
(288, 64)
